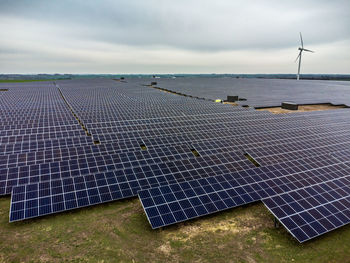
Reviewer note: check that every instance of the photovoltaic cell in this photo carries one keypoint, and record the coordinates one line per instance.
(286, 196)
(77, 143)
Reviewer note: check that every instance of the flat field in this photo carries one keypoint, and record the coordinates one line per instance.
(23, 80)
(119, 232)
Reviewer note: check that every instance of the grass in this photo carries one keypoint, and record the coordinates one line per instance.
(23, 80)
(119, 232)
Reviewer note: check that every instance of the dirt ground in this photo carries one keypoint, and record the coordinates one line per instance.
(303, 108)
(231, 103)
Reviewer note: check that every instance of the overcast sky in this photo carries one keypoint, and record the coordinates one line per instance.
(182, 36)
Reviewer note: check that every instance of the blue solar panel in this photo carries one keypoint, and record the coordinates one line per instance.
(288, 196)
(262, 92)
(78, 143)
(312, 211)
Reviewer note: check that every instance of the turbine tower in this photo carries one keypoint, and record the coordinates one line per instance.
(301, 49)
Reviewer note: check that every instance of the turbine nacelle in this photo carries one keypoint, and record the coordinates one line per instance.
(308, 50)
(304, 49)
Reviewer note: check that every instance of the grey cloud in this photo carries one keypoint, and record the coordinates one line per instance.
(197, 25)
(80, 30)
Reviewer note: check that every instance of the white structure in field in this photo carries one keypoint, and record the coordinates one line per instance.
(301, 49)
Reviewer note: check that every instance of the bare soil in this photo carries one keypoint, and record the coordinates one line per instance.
(303, 108)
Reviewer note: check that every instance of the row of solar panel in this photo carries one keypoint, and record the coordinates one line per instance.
(228, 121)
(258, 91)
(50, 129)
(76, 190)
(214, 129)
(42, 145)
(270, 149)
(20, 146)
(282, 141)
(179, 202)
(213, 194)
(110, 182)
(65, 167)
(218, 145)
(313, 146)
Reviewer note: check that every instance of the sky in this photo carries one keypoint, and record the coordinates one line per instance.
(183, 36)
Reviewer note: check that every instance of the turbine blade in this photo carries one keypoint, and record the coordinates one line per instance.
(301, 40)
(298, 56)
(308, 50)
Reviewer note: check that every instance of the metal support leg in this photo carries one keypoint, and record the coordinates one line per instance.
(276, 223)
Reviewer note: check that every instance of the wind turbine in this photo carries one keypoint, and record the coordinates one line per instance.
(301, 49)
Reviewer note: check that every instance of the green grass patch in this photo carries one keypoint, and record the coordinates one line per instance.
(119, 232)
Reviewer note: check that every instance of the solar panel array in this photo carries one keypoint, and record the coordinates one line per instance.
(77, 143)
(262, 92)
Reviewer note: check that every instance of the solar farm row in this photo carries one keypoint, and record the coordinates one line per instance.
(15, 165)
(262, 92)
(77, 143)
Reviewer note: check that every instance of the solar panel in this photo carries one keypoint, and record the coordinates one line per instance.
(179, 202)
(101, 161)
(49, 156)
(131, 180)
(257, 92)
(312, 211)
(78, 143)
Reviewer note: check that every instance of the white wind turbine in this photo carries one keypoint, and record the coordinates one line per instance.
(301, 49)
